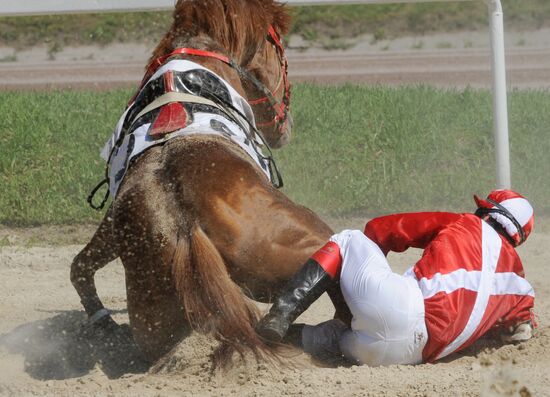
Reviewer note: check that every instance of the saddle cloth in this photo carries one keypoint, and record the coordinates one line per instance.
(151, 125)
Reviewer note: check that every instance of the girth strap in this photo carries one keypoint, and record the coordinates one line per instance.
(170, 97)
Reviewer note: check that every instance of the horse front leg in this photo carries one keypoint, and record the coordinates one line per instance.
(95, 255)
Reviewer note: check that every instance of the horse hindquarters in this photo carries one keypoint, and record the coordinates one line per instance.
(175, 276)
(212, 301)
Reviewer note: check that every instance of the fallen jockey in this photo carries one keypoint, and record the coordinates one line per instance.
(469, 281)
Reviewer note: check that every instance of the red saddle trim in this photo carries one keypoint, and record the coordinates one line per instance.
(172, 117)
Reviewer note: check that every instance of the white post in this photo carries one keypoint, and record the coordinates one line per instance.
(500, 106)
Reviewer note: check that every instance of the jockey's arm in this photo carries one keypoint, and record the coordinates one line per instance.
(398, 232)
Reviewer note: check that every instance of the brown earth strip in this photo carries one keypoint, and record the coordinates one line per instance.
(526, 68)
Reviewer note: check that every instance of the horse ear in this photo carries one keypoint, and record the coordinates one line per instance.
(281, 18)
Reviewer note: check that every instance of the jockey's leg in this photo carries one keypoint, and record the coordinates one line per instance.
(388, 324)
(303, 289)
(388, 309)
(317, 275)
(327, 263)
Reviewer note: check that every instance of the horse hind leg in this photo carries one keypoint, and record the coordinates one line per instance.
(95, 255)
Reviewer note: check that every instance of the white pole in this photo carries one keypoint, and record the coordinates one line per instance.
(500, 107)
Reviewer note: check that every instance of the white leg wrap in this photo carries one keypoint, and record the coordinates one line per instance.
(98, 316)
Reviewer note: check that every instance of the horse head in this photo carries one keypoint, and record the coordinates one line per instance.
(271, 105)
(249, 33)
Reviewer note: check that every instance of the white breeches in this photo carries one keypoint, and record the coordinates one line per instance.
(388, 309)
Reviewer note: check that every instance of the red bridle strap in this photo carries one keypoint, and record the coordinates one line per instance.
(281, 108)
(275, 36)
(154, 65)
(265, 98)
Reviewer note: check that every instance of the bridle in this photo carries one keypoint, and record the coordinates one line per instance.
(280, 109)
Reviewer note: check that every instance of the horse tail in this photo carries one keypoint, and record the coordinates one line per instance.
(212, 302)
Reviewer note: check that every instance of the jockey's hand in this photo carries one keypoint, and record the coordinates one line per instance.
(520, 333)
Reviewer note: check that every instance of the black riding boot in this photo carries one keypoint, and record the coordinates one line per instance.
(302, 290)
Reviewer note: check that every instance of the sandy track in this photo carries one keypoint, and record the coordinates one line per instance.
(455, 68)
(45, 351)
(526, 68)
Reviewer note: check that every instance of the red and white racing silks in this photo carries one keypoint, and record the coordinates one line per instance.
(471, 278)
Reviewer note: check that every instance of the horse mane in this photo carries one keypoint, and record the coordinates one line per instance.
(236, 27)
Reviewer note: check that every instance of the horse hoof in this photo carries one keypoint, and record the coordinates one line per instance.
(102, 320)
(105, 323)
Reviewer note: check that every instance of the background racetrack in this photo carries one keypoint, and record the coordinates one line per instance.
(101, 69)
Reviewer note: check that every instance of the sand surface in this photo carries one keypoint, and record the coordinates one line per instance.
(46, 348)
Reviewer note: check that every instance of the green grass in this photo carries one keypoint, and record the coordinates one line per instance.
(322, 24)
(366, 150)
(61, 30)
(48, 153)
(376, 150)
(392, 20)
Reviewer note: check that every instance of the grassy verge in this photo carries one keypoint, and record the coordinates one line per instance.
(322, 24)
(48, 153)
(361, 150)
(392, 20)
(373, 150)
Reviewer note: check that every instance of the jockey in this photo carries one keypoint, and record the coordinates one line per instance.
(469, 281)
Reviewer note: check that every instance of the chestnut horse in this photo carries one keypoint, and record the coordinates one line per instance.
(195, 221)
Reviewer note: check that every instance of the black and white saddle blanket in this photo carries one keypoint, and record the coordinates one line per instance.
(181, 98)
